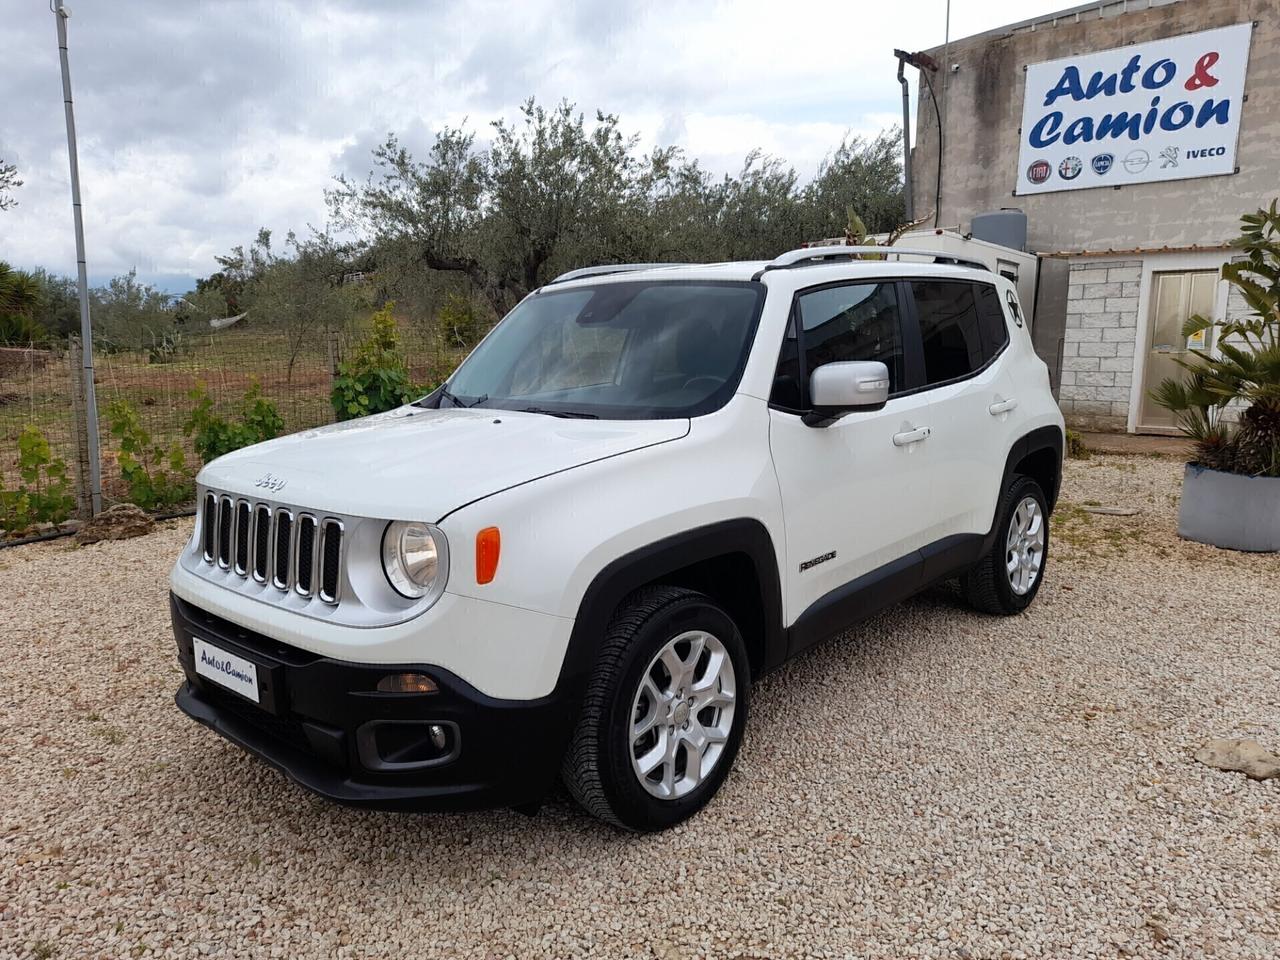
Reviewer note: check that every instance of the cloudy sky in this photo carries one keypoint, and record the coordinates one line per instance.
(200, 121)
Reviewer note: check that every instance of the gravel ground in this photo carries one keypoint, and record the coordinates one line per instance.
(937, 784)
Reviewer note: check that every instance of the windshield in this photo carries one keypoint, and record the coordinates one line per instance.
(614, 351)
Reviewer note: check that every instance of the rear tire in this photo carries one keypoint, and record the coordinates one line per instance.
(1008, 578)
(669, 693)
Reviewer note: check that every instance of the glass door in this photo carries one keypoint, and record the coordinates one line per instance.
(1175, 297)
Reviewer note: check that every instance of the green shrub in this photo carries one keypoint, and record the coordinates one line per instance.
(43, 494)
(20, 330)
(168, 348)
(156, 477)
(462, 325)
(376, 378)
(215, 435)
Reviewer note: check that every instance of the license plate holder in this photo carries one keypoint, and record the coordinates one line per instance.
(230, 670)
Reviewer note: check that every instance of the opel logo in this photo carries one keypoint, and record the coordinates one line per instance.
(269, 482)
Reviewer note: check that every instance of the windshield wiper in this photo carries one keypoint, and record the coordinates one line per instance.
(566, 414)
(458, 403)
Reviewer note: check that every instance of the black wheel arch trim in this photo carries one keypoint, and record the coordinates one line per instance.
(650, 563)
(1041, 438)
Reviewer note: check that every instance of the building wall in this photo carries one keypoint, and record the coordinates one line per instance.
(981, 102)
(1096, 380)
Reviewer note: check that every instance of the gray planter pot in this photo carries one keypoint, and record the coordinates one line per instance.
(1230, 510)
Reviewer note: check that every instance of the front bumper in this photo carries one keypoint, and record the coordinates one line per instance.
(324, 725)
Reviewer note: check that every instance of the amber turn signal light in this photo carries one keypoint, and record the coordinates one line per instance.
(488, 547)
(407, 683)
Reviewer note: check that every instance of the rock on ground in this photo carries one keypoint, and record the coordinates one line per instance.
(120, 522)
(1240, 756)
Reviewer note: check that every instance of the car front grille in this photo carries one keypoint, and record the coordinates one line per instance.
(297, 552)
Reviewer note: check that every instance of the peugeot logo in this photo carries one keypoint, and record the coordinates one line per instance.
(268, 482)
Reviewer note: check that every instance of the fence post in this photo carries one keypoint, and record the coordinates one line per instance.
(333, 360)
(79, 432)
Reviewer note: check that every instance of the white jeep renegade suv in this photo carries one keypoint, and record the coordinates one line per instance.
(644, 489)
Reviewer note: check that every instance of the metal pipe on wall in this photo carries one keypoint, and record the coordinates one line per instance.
(906, 137)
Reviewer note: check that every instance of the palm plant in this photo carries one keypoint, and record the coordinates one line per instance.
(19, 297)
(1246, 369)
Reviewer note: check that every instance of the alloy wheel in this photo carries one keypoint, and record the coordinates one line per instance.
(1024, 547)
(682, 714)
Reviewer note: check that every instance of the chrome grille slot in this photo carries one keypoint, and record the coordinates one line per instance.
(330, 559)
(209, 532)
(283, 549)
(305, 561)
(261, 542)
(243, 517)
(225, 509)
(299, 554)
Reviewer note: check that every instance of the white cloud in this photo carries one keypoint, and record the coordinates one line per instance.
(201, 122)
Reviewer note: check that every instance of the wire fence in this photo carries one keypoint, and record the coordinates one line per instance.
(40, 388)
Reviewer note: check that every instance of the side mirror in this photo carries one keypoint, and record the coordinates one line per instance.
(839, 388)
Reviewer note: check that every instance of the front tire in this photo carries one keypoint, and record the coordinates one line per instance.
(1008, 578)
(663, 714)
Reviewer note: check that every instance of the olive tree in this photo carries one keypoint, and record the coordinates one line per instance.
(552, 192)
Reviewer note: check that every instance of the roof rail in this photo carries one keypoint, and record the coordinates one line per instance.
(604, 270)
(811, 256)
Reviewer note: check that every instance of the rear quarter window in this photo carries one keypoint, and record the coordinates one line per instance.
(991, 320)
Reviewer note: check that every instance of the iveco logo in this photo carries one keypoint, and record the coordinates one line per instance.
(268, 482)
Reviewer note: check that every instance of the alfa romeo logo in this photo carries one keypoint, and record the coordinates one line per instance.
(1070, 168)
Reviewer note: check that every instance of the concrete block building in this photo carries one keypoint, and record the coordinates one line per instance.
(1132, 134)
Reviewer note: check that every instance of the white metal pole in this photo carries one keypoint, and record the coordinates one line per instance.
(86, 326)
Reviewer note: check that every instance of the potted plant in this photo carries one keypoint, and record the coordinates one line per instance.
(1229, 404)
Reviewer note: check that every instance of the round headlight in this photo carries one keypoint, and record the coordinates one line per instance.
(415, 557)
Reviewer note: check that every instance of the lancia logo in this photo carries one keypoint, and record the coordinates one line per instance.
(269, 482)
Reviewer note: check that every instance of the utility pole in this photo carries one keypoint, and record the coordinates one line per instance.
(86, 327)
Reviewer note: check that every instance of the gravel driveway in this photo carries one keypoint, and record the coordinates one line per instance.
(936, 784)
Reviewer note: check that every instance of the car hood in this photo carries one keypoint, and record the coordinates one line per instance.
(418, 464)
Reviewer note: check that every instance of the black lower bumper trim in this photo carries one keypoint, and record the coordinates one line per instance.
(312, 711)
(321, 778)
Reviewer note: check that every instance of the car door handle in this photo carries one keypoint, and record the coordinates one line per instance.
(911, 436)
(1002, 406)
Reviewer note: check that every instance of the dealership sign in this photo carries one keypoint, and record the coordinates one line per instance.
(1164, 110)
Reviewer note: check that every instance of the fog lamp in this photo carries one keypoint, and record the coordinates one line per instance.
(407, 683)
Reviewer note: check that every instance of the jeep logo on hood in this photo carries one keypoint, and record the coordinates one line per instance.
(269, 482)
